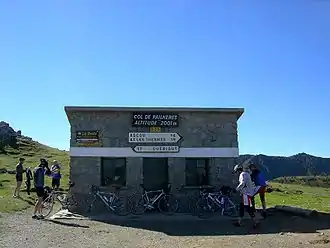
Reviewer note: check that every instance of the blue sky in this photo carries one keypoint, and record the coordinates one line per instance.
(270, 57)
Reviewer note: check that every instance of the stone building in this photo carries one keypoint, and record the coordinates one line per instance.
(129, 146)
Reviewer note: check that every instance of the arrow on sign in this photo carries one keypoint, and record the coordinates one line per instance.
(156, 149)
(153, 137)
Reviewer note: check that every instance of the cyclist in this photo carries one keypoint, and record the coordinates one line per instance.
(259, 180)
(56, 175)
(247, 190)
(19, 177)
(39, 179)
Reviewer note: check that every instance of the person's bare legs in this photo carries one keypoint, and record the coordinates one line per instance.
(241, 214)
(251, 211)
(37, 207)
(263, 203)
(17, 189)
(247, 205)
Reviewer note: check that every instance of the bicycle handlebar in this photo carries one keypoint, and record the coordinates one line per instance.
(169, 187)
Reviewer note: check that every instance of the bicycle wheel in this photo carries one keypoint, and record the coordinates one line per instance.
(90, 205)
(122, 206)
(230, 208)
(168, 204)
(47, 206)
(139, 204)
(203, 208)
(192, 204)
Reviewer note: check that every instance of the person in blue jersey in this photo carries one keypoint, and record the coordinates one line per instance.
(259, 180)
(39, 181)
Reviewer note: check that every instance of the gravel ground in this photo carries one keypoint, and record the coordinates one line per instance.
(19, 230)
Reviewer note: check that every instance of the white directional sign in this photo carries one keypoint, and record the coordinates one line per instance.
(153, 137)
(156, 149)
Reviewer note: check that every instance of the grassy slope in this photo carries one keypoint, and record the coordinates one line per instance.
(308, 197)
(288, 194)
(315, 181)
(32, 151)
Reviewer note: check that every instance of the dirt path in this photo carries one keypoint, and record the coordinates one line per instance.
(19, 230)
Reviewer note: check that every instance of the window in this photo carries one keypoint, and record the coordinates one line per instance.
(113, 171)
(197, 171)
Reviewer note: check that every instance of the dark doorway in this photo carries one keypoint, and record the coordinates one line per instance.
(155, 173)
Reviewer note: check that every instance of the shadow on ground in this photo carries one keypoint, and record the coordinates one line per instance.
(29, 200)
(67, 224)
(186, 225)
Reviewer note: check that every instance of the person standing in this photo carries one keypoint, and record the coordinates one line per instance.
(39, 180)
(247, 191)
(259, 180)
(28, 178)
(56, 175)
(19, 177)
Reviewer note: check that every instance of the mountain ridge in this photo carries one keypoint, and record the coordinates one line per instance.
(301, 164)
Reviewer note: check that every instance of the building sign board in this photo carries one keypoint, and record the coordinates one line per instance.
(155, 119)
(155, 129)
(87, 138)
(156, 149)
(153, 137)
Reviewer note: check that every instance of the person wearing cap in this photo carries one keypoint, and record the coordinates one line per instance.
(56, 175)
(259, 180)
(247, 191)
(39, 179)
(19, 177)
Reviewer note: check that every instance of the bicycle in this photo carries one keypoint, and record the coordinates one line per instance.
(66, 200)
(211, 202)
(166, 202)
(119, 205)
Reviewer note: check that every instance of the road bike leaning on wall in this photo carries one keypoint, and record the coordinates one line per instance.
(119, 205)
(212, 202)
(51, 195)
(160, 199)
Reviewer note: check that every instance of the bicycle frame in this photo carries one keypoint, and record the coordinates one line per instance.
(151, 202)
(220, 203)
(217, 198)
(104, 199)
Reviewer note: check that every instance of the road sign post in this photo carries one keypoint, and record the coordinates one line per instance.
(156, 149)
(153, 137)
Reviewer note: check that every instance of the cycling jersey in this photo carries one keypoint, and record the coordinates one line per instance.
(56, 171)
(258, 178)
(245, 185)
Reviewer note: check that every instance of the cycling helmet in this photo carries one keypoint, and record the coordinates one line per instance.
(238, 167)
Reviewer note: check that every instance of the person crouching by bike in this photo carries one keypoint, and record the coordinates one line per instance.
(28, 178)
(259, 180)
(247, 191)
(39, 180)
(56, 175)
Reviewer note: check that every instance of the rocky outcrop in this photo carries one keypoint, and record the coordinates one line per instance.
(8, 136)
(7, 130)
